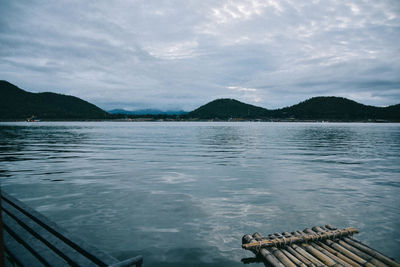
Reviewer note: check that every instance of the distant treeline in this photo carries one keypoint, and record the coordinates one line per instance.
(317, 108)
(146, 117)
(17, 104)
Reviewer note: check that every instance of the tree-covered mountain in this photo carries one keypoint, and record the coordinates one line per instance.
(18, 104)
(228, 108)
(336, 108)
(317, 108)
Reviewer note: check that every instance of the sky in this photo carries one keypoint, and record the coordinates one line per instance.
(182, 54)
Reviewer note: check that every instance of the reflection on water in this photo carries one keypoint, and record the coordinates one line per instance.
(185, 193)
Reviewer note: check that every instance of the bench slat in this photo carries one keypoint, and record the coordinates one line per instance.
(53, 243)
(34, 245)
(33, 240)
(19, 253)
(78, 249)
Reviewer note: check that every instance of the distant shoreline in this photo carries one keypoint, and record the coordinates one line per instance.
(17, 104)
(199, 120)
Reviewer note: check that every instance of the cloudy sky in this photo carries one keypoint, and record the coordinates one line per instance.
(181, 54)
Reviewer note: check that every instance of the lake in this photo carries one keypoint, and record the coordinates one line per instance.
(184, 193)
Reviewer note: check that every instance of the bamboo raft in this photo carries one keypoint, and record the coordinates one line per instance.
(316, 247)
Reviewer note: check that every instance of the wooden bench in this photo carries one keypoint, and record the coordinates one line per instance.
(30, 239)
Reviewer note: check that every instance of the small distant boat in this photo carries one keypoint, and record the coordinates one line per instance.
(32, 119)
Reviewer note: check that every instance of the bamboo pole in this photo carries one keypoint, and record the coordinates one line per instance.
(319, 229)
(293, 258)
(376, 254)
(282, 257)
(299, 250)
(348, 253)
(265, 254)
(361, 254)
(334, 252)
(297, 258)
(329, 246)
(295, 253)
(311, 250)
(330, 255)
(339, 255)
(303, 252)
(318, 251)
(321, 256)
(277, 253)
(308, 256)
(300, 239)
(372, 252)
(300, 257)
(277, 235)
(330, 227)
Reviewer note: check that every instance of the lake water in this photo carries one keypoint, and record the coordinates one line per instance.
(183, 194)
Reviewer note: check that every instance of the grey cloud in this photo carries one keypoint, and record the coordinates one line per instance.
(181, 54)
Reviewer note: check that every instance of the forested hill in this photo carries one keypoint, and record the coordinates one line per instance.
(228, 108)
(317, 108)
(18, 104)
(337, 108)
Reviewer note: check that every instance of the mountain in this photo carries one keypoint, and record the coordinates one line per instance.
(16, 103)
(228, 108)
(317, 108)
(336, 108)
(147, 112)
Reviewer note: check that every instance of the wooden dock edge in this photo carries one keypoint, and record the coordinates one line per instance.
(26, 231)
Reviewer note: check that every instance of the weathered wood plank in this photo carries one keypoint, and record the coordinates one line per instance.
(37, 248)
(47, 239)
(93, 254)
(138, 261)
(18, 252)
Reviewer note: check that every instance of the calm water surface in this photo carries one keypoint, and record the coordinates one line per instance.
(183, 194)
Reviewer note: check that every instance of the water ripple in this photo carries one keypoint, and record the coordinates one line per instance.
(180, 193)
